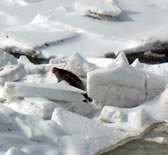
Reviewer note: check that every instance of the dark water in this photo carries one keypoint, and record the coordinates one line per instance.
(144, 147)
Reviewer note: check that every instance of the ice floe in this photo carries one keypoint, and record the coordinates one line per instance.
(98, 9)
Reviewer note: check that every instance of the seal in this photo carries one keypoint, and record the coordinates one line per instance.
(72, 79)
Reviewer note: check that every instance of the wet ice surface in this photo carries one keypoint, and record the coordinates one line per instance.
(152, 143)
(42, 117)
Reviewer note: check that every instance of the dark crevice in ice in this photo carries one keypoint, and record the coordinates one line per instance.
(34, 60)
(151, 53)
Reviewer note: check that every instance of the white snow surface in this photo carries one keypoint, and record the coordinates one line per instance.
(42, 117)
(58, 28)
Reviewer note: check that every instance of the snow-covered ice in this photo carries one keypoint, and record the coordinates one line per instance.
(42, 117)
(97, 8)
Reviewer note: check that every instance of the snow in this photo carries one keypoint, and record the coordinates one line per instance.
(97, 8)
(42, 117)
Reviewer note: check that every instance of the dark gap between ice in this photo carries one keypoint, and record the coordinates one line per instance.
(151, 53)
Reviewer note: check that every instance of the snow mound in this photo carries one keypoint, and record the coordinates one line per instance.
(79, 66)
(92, 132)
(98, 8)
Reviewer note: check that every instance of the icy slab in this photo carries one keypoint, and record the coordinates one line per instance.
(34, 106)
(7, 59)
(29, 67)
(109, 87)
(156, 77)
(79, 65)
(98, 8)
(95, 134)
(137, 119)
(12, 73)
(101, 62)
(29, 39)
(58, 92)
(140, 117)
(15, 151)
(158, 69)
(155, 84)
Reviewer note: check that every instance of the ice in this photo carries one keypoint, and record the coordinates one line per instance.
(15, 151)
(12, 73)
(7, 59)
(101, 62)
(58, 92)
(120, 60)
(29, 39)
(79, 66)
(89, 130)
(109, 87)
(34, 106)
(138, 119)
(97, 8)
(158, 140)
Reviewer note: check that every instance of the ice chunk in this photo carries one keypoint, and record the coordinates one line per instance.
(35, 106)
(59, 92)
(79, 66)
(15, 151)
(33, 134)
(118, 86)
(155, 84)
(29, 39)
(12, 73)
(111, 114)
(6, 59)
(158, 140)
(138, 119)
(5, 121)
(120, 60)
(101, 62)
(93, 132)
(97, 8)
(30, 67)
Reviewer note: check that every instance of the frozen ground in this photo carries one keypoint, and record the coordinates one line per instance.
(42, 117)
